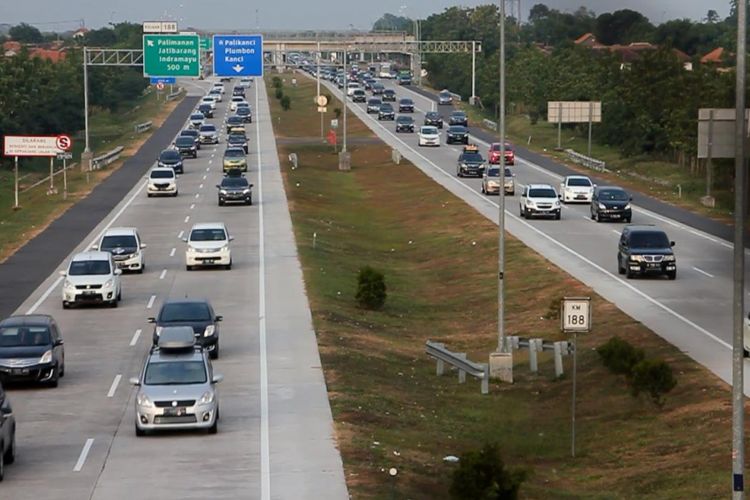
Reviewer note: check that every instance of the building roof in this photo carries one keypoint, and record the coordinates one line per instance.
(715, 56)
(588, 40)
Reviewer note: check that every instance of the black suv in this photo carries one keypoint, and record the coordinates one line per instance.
(186, 146)
(458, 118)
(31, 349)
(406, 105)
(235, 189)
(195, 313)
(206, 110)
(433, 118)
(645, 249)
(404, 123)
(171, 158)
(610, 203)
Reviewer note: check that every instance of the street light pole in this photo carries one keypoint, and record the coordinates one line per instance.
(738, 310)
(86, 156)
(346, 91)
(317, 94)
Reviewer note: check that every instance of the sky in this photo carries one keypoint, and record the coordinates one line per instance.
(53, 15)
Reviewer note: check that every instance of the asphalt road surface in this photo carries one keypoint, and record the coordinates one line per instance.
(275, 436)
(694, 312)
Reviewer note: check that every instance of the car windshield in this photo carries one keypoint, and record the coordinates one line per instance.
(389, 91)
(472, 157)
(386, 107)
(237, 99)
(208, 235)
(445, 94)
(123, 241)
(579, 181)
(189, 133)
(458, 129)
(242, 110)
(458, 114)
(175, 373)
(24, 336)
(185, 141)
(184, 311)
(197, 116)
(495, 172)
(88, 267)
(432, 115)
(428, 130)
(234, 153)
(161, 174)
(208, 128)
(650, 239)
(169, 155)
(234, 119)
(234, 182)
(542, 193)
(375, 102)
(406, 101)
(496, 147)
(613, 195)
(377, 85)
(405, 119)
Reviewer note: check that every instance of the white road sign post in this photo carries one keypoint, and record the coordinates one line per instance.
(33, 146)
(575, 317)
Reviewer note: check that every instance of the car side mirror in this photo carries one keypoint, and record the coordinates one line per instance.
(559, 196)
(94, 247)
(671, 243)
(218, 186)
(135, 381)
(118, 272)
(151, 320)
(630, 199)
(59, 342)
(218, 377)
(251, 185)
(231, 238)
(143, 245)
(219, 317)
(6, 411)
(184, 239)
(63, 273)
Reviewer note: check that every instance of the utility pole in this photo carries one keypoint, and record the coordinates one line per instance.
(346, 102)
(86, 156)
(317, 94)
(501, 361)
(738, 310)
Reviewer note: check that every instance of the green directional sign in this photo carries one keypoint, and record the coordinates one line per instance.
(171, 55)
(205, 44)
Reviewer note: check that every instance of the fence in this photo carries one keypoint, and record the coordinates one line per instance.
(46, 179)
(586, 161)
(107, 158)
(535, 346)
(142, 127)
(458, 360)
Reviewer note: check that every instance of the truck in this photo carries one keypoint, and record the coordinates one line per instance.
(385, 70)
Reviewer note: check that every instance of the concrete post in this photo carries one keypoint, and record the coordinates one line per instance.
(534, 347)
(461, 373)
(559, 348)
(440, 367)
(486, 380)
(513, 342)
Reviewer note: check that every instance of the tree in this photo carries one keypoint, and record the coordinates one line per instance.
(622, 26)
(712, 16)
(482, 475)
(25, 33)
(390, 22)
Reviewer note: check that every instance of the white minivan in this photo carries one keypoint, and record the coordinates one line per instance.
(91, 278)
(126, 247)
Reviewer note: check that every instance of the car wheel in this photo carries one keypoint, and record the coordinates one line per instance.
(188, 268)
(10, 455)
(54, 381)
(149, 195)
(522, 212)
(66, 305)
(119, 295)
(214, 428)
(2, 465)
(62, 368)
(250, 200)
(627, 220)
(228, 266)
(620, 269)
(558, 216)
(175, 194)
(221, 203)
(483, 191)
(628, 273)
(113, 303)
(139, 432)
(672, 275)
(593, 215)
(215, 353)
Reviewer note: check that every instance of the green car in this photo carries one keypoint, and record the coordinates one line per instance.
(235, 158)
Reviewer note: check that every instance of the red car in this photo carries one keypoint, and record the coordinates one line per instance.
(494, 154)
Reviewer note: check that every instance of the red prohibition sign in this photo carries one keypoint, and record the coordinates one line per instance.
(63, 142)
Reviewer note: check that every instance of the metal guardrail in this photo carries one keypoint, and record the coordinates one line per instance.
(586, 161)
(107, 158)
(459, 361)
(172, 97)
(560, 349)
(492, 125)
(142, 127)
(456, 97)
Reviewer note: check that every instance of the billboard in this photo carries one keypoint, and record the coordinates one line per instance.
(574, 111)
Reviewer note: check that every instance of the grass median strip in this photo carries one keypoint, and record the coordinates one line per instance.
(439, 260)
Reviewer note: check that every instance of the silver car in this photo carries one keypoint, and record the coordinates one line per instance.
(177, 386)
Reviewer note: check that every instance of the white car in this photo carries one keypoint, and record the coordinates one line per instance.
(216, 93)
(219, 86)
(576, 188)
(91, 278)
(429, 136)
(196, 120)
(208, 245)
(245, 82)
(351, 87)
(210, 100)
(162, 181)
(236, 101)
(126, 247)
(539, 199)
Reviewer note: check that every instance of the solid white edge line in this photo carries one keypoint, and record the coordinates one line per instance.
(83, 455)
(704, 273)
(557, 243)
(265, 461)
(114, 385)
(136, 335)
(163, 273)
(151, 302)
(59, 280)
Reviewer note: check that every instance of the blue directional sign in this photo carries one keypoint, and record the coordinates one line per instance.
(166, 80)
(238, 55)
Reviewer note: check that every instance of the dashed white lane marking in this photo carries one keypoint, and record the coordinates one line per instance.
(192, 206)
(151, 302)
(171, 253)
(163, 273)
(134, 340)
(83, 455)
(187, 218)
(704, 273)
(113, 387)
(616, 232)
(210, 162)
(180, 235)
(205, 177)
(197, 195)
(208, 169)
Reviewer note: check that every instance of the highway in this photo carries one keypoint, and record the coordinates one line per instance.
(693, 312)
(275, 436)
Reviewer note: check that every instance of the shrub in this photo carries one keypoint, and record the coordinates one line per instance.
(337, 112)
(619, 356)
(276, 82)
(371, 289)
(279, 93)
(286, 103)
(655, 377)
(482, 475)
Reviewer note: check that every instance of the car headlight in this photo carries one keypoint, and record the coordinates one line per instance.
(46, 357)
(529, 203)
(109, 283)
(225, 248)
(207, 398)
(68, 284)
(602, 206)
(557, 204)
(636, 258)
(210, 329)
(669, 258)
(159, 329)
(223, 191)
(627, 207)
(246, 191)
(191, 249)
(144, 401)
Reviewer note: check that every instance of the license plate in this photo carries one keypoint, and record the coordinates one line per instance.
(88, 292)
(615, 216)
(174, 412)
(20, 371)
(654, 266)
(209, 261)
